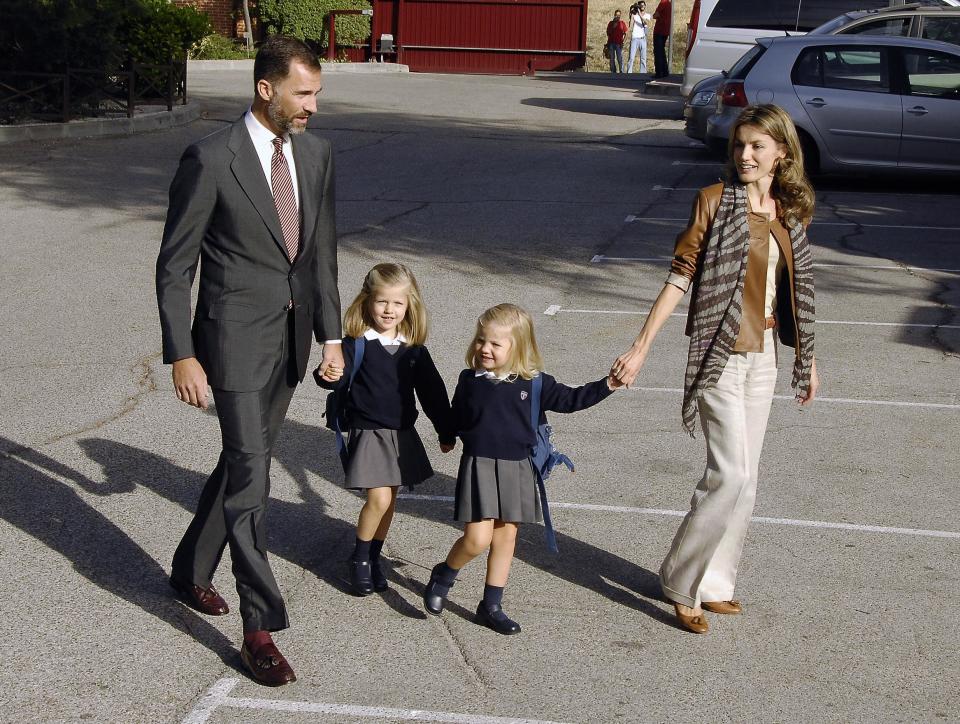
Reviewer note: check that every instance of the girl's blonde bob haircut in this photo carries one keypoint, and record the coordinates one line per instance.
(790, 187)
(525, 359)
(358, 320)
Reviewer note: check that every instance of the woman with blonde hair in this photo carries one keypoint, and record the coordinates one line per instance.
(746, 258)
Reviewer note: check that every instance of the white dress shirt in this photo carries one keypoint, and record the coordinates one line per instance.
(262, 138)
(372, 334)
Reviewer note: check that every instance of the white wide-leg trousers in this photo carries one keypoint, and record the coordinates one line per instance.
(702, 562)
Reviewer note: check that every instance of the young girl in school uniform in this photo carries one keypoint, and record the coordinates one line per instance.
(384, 450)
(496, 484)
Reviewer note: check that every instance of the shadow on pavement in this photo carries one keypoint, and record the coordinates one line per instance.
(632, 108)
(40, 505)
(307, 536)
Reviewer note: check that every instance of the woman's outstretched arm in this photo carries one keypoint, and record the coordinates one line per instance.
(627, 366)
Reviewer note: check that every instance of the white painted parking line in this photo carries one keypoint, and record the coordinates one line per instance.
(890, 530)
(218, 696)
(886, 267)
(601, 258)
(820, 194)
(554, 309)
(837, 400)
(685, 219)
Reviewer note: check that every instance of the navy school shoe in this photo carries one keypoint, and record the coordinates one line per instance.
(494, 618)
(361, 580)
(436, 591)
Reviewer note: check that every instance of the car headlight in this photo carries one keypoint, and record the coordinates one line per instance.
(703, 98)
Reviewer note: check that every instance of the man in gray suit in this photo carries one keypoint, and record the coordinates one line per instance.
(254, 205)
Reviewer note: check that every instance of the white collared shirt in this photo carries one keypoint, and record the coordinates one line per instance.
(372, 334)
(262, 138)
(492, 376)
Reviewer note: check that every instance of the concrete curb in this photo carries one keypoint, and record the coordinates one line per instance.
(153, 121)
(662, 88)
(327, 67)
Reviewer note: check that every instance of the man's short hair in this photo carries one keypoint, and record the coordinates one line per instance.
(275, 55)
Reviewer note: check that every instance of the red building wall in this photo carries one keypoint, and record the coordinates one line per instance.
(484, 36)
(220, 12)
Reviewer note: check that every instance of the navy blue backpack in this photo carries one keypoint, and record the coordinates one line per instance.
(544, 457)
(336, 406)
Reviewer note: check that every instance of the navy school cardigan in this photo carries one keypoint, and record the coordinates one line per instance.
(492, 417)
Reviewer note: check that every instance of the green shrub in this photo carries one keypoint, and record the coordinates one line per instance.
(307, 19)
(155, 31)
(45, 36)
(217, 47)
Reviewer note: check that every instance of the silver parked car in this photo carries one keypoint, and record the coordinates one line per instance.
(932, 22)
(858, 101)
(928, 22)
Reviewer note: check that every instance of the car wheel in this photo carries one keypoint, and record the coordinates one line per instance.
(811, 155)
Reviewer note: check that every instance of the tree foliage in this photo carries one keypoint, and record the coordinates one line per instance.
(307, 19)
(50, 35)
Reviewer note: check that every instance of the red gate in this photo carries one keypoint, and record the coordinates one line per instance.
(484, 36)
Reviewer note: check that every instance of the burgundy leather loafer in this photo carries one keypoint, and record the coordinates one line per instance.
(267, 666)
(204, 600)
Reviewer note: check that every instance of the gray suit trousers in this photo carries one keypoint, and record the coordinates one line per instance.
(234, 499)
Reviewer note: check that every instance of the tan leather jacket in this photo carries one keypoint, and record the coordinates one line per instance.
(688, 253)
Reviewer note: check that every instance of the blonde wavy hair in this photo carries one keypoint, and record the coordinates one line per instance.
(525, 359)
(791, 189)
(358, 319)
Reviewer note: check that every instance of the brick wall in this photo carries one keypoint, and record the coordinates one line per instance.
(220, 12)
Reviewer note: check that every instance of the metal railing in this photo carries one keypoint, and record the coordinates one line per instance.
(81, 92)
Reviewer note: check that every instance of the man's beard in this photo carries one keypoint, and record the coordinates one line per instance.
(284, 123)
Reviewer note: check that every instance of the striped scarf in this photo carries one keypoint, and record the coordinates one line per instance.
(718, 306)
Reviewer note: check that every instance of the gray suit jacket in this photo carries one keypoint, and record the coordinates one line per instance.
(223, 216)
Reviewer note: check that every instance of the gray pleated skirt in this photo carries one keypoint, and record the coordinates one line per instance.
(499, 489)
(380, 458)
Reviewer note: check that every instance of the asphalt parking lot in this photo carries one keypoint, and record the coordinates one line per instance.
(563, 195)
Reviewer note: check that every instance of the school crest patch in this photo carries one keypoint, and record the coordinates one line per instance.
(523, 394)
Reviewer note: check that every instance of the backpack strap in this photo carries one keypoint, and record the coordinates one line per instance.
(548, 532)
(358, 347)
(535, 394)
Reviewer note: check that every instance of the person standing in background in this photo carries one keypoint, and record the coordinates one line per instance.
(661, 32)
(639, 19)
(616, 32)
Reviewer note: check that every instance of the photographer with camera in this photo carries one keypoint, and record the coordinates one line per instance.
(639, 19)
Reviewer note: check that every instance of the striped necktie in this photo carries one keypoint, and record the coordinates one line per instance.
(286, 202)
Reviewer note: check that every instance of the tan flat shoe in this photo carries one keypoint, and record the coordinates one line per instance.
(729, 607)
(696, 624)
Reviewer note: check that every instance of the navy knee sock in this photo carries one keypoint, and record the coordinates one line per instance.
(492, 596)
(375, 547)
(362, 551)
(445, 576)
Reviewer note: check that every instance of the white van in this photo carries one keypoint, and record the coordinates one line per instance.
(720, 31)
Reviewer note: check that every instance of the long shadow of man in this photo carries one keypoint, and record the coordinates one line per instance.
(303, 533)
(304, 450)
(49, 510)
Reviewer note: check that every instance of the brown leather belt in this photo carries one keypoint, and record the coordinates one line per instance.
(769, 322)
